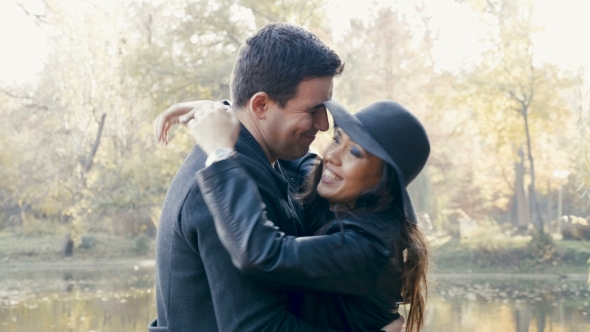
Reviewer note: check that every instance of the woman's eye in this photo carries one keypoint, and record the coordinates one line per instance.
(356, 152)
(337, 139)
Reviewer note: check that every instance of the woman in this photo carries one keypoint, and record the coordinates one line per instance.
(358, 201)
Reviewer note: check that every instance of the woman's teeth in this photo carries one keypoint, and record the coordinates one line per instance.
(331, 176)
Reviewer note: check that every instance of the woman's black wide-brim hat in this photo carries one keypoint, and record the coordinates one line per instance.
(390, 132)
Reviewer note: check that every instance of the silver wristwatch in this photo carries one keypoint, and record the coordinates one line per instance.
(219, 154)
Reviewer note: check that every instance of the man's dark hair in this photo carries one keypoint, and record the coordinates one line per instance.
(276, 59)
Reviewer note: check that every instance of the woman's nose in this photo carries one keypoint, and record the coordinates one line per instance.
(333, 155)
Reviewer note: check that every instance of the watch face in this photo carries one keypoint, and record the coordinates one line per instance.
(223, 152)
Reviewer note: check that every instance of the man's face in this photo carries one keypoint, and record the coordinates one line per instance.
(289, 132)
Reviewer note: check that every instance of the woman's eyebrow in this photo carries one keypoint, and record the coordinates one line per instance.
(316, 107)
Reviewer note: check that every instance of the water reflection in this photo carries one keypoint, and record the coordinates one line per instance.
(123, 299)
(76, 300)
(509, 305)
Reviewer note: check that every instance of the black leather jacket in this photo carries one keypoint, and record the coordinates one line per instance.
(352, 281)
(197, 286)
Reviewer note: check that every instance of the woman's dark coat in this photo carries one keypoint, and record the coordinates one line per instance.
(349, 269)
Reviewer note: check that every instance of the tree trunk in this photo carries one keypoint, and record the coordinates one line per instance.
(90, 158)
(68, 247)
(523, 216)
(522, 318)
(533, 208)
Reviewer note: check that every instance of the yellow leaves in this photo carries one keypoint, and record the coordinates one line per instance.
(49, 206)
(583, 155)
(77, 230)
(486, 236)
(91, 179)
(308, 13)
(206, 92)
(502, 203)
(156, 211)
(78, 213)
(578, 221)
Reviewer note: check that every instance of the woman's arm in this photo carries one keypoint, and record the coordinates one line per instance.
(346, 262)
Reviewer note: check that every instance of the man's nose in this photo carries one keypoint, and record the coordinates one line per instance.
(320, 120)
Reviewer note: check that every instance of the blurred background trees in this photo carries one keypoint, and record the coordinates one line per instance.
(79, 158)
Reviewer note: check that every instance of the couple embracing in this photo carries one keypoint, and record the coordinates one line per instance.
(259, 234)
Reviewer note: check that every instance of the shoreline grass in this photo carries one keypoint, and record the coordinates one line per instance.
(449, 255)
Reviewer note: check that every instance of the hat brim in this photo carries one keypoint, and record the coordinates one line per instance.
(361, 136)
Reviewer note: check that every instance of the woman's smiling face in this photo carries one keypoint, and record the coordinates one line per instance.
(348, 171)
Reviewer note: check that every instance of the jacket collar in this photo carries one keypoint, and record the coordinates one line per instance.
(248, 146)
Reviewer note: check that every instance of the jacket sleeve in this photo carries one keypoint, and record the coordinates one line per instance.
(239, 304)
(346, 262)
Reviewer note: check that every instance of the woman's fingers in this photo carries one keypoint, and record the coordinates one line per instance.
(395, 326)
(175, 114)
(158, 128)
(164, 134)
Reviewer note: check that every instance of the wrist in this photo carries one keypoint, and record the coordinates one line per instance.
(210, 149)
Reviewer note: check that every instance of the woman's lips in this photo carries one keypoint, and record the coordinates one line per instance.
(329, 176)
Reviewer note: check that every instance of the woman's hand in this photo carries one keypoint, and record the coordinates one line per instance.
(178, 113)
(395, 326)
(215, 128)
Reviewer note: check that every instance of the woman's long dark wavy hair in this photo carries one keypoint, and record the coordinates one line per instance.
(411, 249)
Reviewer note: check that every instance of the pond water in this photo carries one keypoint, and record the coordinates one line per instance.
(123, 299)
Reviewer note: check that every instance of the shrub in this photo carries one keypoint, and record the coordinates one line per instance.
(142, 244)
(576, 228)
(487, 237)
(541, 248)
(88, 242)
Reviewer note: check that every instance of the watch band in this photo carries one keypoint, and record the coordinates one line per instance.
(219, 154)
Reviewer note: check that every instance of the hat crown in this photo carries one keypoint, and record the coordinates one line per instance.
(399, 133)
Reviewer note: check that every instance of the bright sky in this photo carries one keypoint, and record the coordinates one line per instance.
(23, 47)
(565, 40)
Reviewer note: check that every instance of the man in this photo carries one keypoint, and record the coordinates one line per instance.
(282, 76)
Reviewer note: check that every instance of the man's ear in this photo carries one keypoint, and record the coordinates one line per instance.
(259, 104)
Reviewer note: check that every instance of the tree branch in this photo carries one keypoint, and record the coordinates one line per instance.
(37, 17)
(89, 160)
